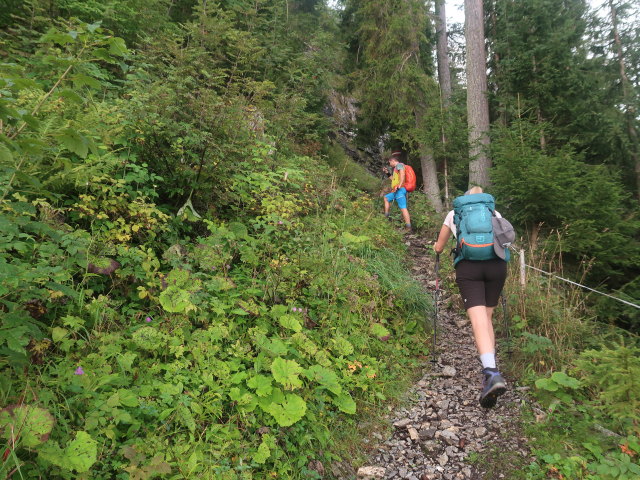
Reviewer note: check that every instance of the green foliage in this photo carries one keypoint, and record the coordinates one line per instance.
(184, 286)
(554, 189)
(78, 456)
(349, 172)
(612, 375)
(586, 385)
(29, 425)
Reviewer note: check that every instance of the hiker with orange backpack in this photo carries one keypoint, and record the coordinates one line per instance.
(403, 180)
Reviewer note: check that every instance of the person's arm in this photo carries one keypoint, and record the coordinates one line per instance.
(401, 184)
(443, 238)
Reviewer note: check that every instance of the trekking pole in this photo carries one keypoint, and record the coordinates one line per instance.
(505, 318)
(435, 308)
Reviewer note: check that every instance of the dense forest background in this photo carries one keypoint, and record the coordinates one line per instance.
(195, 278)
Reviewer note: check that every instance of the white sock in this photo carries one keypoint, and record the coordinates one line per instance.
(488, 360)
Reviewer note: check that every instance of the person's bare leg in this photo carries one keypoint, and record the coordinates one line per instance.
(490, 317)
(493, 385)
(480, 317)
(387, 207)
(405, 215)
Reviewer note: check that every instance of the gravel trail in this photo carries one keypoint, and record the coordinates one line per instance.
(442, 422)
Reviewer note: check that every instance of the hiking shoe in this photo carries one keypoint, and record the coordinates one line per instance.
(408, 229)
(492, 387)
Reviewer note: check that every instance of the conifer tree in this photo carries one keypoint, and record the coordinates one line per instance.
(628, 101)
(444, 78)
(477, 103)
(394, 79)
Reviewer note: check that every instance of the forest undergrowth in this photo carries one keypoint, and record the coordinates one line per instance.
(583, 374)
(188, 289)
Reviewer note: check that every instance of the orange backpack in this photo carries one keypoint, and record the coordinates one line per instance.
(409, 178)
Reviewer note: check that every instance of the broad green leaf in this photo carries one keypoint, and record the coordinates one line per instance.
(94, 26)
(74, 142)
(176, 300)
(128, 398)
(276, 396)
(325, 377)
(289, 411)
(547, 384)
(81, 453)
(33, 424)
(275, 346)
(22, 83)
(565, 380)
(286, 373)
(262, 454)
(238, 377)
(290, 322)
(244, 400)
(82, 80)
(114, 400)
(239, 229)
(70, 95)
(57, 334)
(103, 54)
(117, 47)
(5, 154)
(178, 277)
(32, 121)
(261, 384)
(55, 36)
(220, 284)
(345, 403)
(73, 322)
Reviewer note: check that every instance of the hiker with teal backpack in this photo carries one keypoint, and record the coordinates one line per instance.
(481, 255)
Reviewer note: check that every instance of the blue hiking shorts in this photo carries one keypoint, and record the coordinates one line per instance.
(400, 196)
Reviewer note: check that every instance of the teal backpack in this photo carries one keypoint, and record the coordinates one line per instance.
(472, 217)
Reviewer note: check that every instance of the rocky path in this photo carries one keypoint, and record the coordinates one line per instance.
(442, 424)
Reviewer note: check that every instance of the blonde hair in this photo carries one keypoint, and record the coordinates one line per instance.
(473, 190)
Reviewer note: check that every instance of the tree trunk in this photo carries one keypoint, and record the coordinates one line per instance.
(430, 179)
(429, 171)
(444, 73)
(501, 108)
(477, 102)
(444, 78)
(626, 96)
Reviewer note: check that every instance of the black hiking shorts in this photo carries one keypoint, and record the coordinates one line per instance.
(481, 281)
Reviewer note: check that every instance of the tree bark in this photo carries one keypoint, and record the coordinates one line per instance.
(626, 96)
(444, 79)
(477, 102)
(427, 162)
(430, 179)
(442, 51)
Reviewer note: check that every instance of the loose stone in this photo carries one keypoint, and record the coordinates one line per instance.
(448, 371)
(371, 473)
(402, 423)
